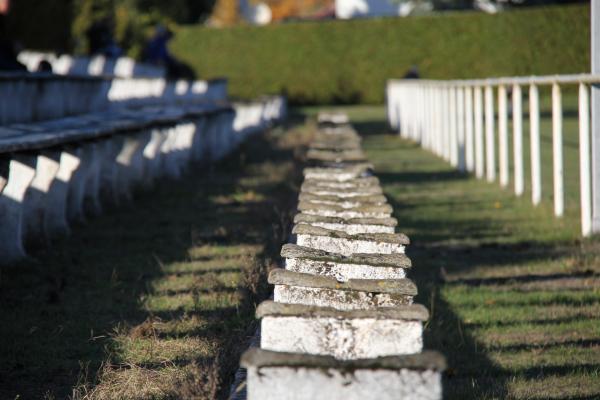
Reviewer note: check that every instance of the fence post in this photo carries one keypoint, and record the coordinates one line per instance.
(469, 146)
(503, 134)
(447, 124)
(453, 126)
(517, 100)
(490, 147)
(595, 115)
(534, 133)
(460, 127)
(584, 160)
(557, 151)
(479, 166)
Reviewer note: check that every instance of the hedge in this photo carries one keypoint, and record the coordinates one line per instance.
(349, 61)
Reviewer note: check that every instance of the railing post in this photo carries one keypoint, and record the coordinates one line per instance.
(479, 162)
(534, 133)
(446, 106)
(439, 121)
(557, 151)
(453, 126)
(460, 127)
(584, 161)
(517, 113)
(503, 134)
(595, 115)
(469, 145)
(490, 147)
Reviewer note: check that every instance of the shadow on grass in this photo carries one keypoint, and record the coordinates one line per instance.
(59, 313)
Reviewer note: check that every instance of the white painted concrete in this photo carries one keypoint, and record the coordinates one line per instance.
(34, 203)
(21, 171)
(338, 299)
(342, 338)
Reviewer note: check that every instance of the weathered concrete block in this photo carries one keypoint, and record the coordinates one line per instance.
(347, 144)
(350, 155)
(346, 202)
(351, 226)
(36, 196)
(79, 180)
(353, 188)
(341, 174)
(342, 210)
(109, 176)
(130, 163)
(16, 175)
(198, 147)
(354, 294)
(281, 376)
(343, 268)
(345, 335)
(170, 166)
(91, 199)
(55, 214)
(335, 118)
(153, 156)
(342, 141)
(362, 181)
(346, 244)
(341, 192)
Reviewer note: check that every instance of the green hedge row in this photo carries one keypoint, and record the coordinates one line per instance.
(350, 61)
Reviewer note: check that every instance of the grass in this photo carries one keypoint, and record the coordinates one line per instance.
(513, 292)
(154, 300)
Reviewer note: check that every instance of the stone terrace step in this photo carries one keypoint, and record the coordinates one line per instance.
(276, 375)
(340, 174)
(336, 156)
(345, 335)
(335, 118)
(365, 181)
(343, 243)
(352, 226)
(343, 268)
(332, 199)
(354, 294)
(339, 210)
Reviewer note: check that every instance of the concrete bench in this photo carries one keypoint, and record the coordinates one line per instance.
(354, 294)
(346, 244)
(280, 376)
(355, 334)
(28, 97)
(56, 172)
(351, 226)
(343, 268)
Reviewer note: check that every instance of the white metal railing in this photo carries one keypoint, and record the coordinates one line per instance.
(456, 119)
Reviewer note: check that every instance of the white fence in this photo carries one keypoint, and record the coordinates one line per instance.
(457, 120)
